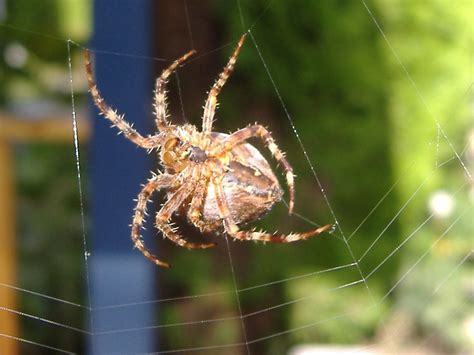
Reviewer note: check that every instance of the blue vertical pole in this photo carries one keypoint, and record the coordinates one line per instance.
(118, 273)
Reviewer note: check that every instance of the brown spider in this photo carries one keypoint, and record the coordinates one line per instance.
(219, 180)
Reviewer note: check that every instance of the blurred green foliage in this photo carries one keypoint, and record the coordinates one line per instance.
(50, 243)
(435, 44)
(34, 83)
(331, 70)
(40, 72)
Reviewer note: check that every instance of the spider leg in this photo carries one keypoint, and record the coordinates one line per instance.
(261, 132)
(155, 183)
(233, 230)
(211, 102)
(196, 205)
(163, 216)
(112, 115)
(160, 104)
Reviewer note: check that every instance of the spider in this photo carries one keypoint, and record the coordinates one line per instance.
(219, 180)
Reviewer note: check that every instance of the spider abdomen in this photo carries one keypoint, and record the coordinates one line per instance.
(250, 188)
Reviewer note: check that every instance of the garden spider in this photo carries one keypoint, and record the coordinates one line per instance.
(218, 180)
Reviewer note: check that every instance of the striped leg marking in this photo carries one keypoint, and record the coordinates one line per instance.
(211, 102)
(155, 183)
(160, 104)
(112, 115)
(163, 216)
(197, 204)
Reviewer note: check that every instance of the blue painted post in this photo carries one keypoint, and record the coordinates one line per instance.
(118, 273)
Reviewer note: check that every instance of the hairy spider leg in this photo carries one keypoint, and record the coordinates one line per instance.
(112, 115)
(211, 102)
(233, 230)
(258, 131)
(160, 103)
(170, 206)
(156, 183)
(197, 204)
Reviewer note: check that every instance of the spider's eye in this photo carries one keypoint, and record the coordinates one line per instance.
(171, 143)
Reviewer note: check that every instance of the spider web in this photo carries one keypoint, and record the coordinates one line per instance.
(358, 273)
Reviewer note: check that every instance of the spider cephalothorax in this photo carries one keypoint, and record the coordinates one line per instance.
(218, 179)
